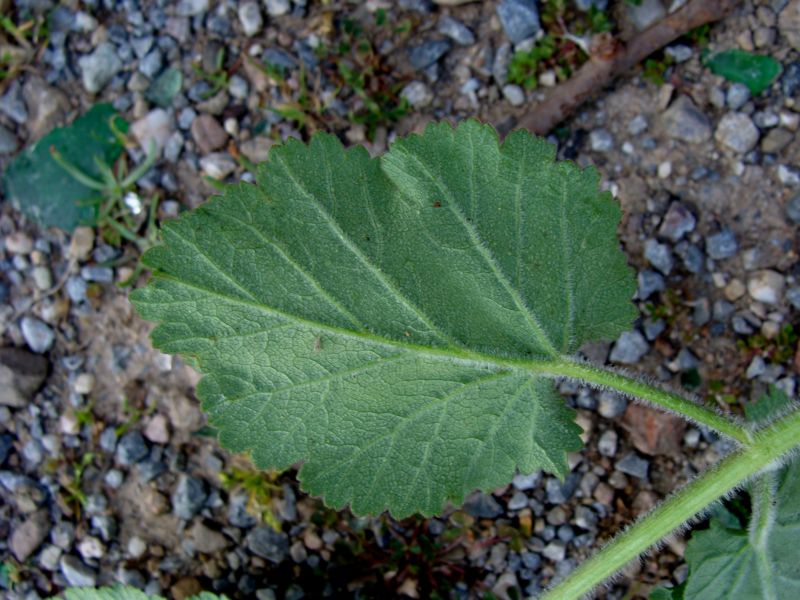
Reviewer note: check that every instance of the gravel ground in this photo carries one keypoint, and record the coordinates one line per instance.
(107, 473)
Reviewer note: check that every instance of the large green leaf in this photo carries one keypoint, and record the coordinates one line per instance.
(760, 562)
(39, 187)
(120, 592)
(381, 319)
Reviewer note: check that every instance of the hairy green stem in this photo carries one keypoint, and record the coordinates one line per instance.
(667, 400)
(768, 446)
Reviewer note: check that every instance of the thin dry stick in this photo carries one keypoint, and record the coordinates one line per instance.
(602, 68)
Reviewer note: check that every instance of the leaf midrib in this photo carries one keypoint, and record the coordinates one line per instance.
(459, 356)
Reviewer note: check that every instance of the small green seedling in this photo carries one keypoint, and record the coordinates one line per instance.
(397, 325)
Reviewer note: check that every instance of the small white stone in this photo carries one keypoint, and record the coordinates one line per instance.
(91, 548)
(766, 286)
(788, 176)
(417, 94)
(81, 244)
(42, 278)
(628, 148)
(68, 424)
(84, 383)
(548, 79)
(19, 243)
(136, 547)
(156, 430)
(514, 94)
(665, 169)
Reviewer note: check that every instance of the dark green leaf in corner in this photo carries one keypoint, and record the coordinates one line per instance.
(381, 319)
(40, 188)
(755, 71)
(120, 592)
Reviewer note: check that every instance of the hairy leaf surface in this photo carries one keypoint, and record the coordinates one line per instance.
(383, 319)
(760, 562)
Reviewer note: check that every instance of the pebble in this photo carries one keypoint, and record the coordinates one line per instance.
(789, 23)
(12, 103)
(650, 283)
(8, 141)
(250, 18)
(684, 121)
(29, 535)
(633, 465)
(737, 96)
(722, 245)
(136, 547)
(18, 243)
(644, 13)
(188, 497)
(788, 175)
(611, 405)
(218, 165)
(267, 543)
(518, 501)
(607, 444)
(47, 106)
(526, 482)
(42, 278)
(483, 506)
(157, 430)
(659, 255)
(153, 130)
(790, 80)
(417, 94)
(151, 65)
(793, 296)
(81, 243)
(637, 125)
(428, 53)
(99, 67)
(98, 274)
(555, 550)
(114, 478)
(629, 348)
(519, 18)
(601, 140)
(277, 8)
(514, 94)
(84, 383)
(238, 87)
(191, 8)
(456, 31)
(206, 540)
(208, 134)
(679, 52)
(49, 557)
(76, 573)
(559, 493)
(766, 286)
(653, 328)
(737, 132)
(756, 368)
(131, 448)
(90, 548)
(677, 222)
(38, 335)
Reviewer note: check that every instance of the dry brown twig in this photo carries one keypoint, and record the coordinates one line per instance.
(616, 60)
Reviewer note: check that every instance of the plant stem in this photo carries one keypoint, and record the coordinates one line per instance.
(769, 445)
(666, 400)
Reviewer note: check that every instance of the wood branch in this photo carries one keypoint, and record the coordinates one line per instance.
(602, 68)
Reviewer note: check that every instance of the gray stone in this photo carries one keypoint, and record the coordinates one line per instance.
(691, 256)
(790, 80)
(189, 497)
(76, 573)
(99, 67)
(277, 8)
(191, 8)
(601, 140)
(793, 209)
(526, 482)
(653, 328)
(268, 543)
(611, 405)
(483, 506)
(152, 64)
(456, 31)
(757, 367)
(427, 53)
(47, 106)
(766, 286)
(555, 550)
(257, 148)
(607, 444)
(12, 103)
(650, 282)
(218, 165)
(722, 245)
(21, 374)
(238, 87)
(659, 255)
(637, 125)
(645, 13)
(502, 58)
(33, 452)
(737, 96)
(208, 134)
(629, 348)
(417, 94)
(514, 94)
(559, 493)
(186, 117)
(517, 501)
(686, 361)
(737, 132)
(679, 52)
(633, 465)
(8, 141)
(678, 221)
(207, 540)
(238, 516)
(793, 296)
(519, 18)
(108, 440)
(250, 18)
(789, 23)
(684, 121)
(37, 334)
(153, 130)
(29, 535)
(585, 517)
(131, 448)
(97, 274)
